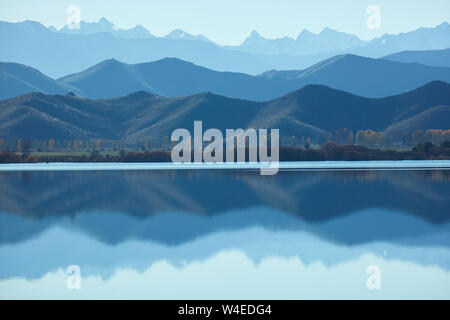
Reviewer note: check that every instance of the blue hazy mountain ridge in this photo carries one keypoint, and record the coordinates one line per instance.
(366, 77)
(290, 202)
(307, 43)
(172, 77)
(311, 111)
(103, 25)
(17, 79)
(422, 39)
(58, 53)
(437, 58)
(437, 38)
(179, 34)
(332, 41)
(138, 32)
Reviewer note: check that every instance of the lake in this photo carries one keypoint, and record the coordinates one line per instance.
(377, 230)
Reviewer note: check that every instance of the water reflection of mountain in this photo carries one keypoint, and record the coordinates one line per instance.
(176, 228)
(59, 247)
(172, 208)
(313, 196)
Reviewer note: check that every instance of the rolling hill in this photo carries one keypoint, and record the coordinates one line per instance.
(311, 112)
(437, 58)
(364, 76)
(17, 79)
(173, 77)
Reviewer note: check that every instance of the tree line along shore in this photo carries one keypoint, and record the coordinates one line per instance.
(329, 151)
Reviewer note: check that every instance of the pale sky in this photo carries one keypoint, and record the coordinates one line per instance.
(231, 21)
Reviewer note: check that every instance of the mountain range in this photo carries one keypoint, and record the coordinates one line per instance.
(103, 25)
(328, 40)
(306, 43)
(138, 32)
(312, 111)
(172, 77)
(58, 53)
(332, 42)
(421, 39)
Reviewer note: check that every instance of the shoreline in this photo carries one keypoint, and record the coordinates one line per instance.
(283, 166)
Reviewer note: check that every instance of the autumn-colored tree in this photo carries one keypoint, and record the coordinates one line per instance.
(99, 144)
(76, 145)
(370, 138)
(51, 145)
(418, 137)
(446, 136)
(26, 146)
(19, 145)
(308, 143)
(350, 137)
(387, 140)
(293, 141)
(165, 142)
(2, 145)
(149, 144)
(91, 145)
(361, 138)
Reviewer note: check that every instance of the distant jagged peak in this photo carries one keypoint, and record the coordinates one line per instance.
(254, 38)
(179, 34)
(443, 25)
(328, 30)
(105, 22)
(138, 27)
(104, 25)
(305, 33)
(255, 34)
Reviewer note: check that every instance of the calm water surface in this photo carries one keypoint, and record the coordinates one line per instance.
(195, 234)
